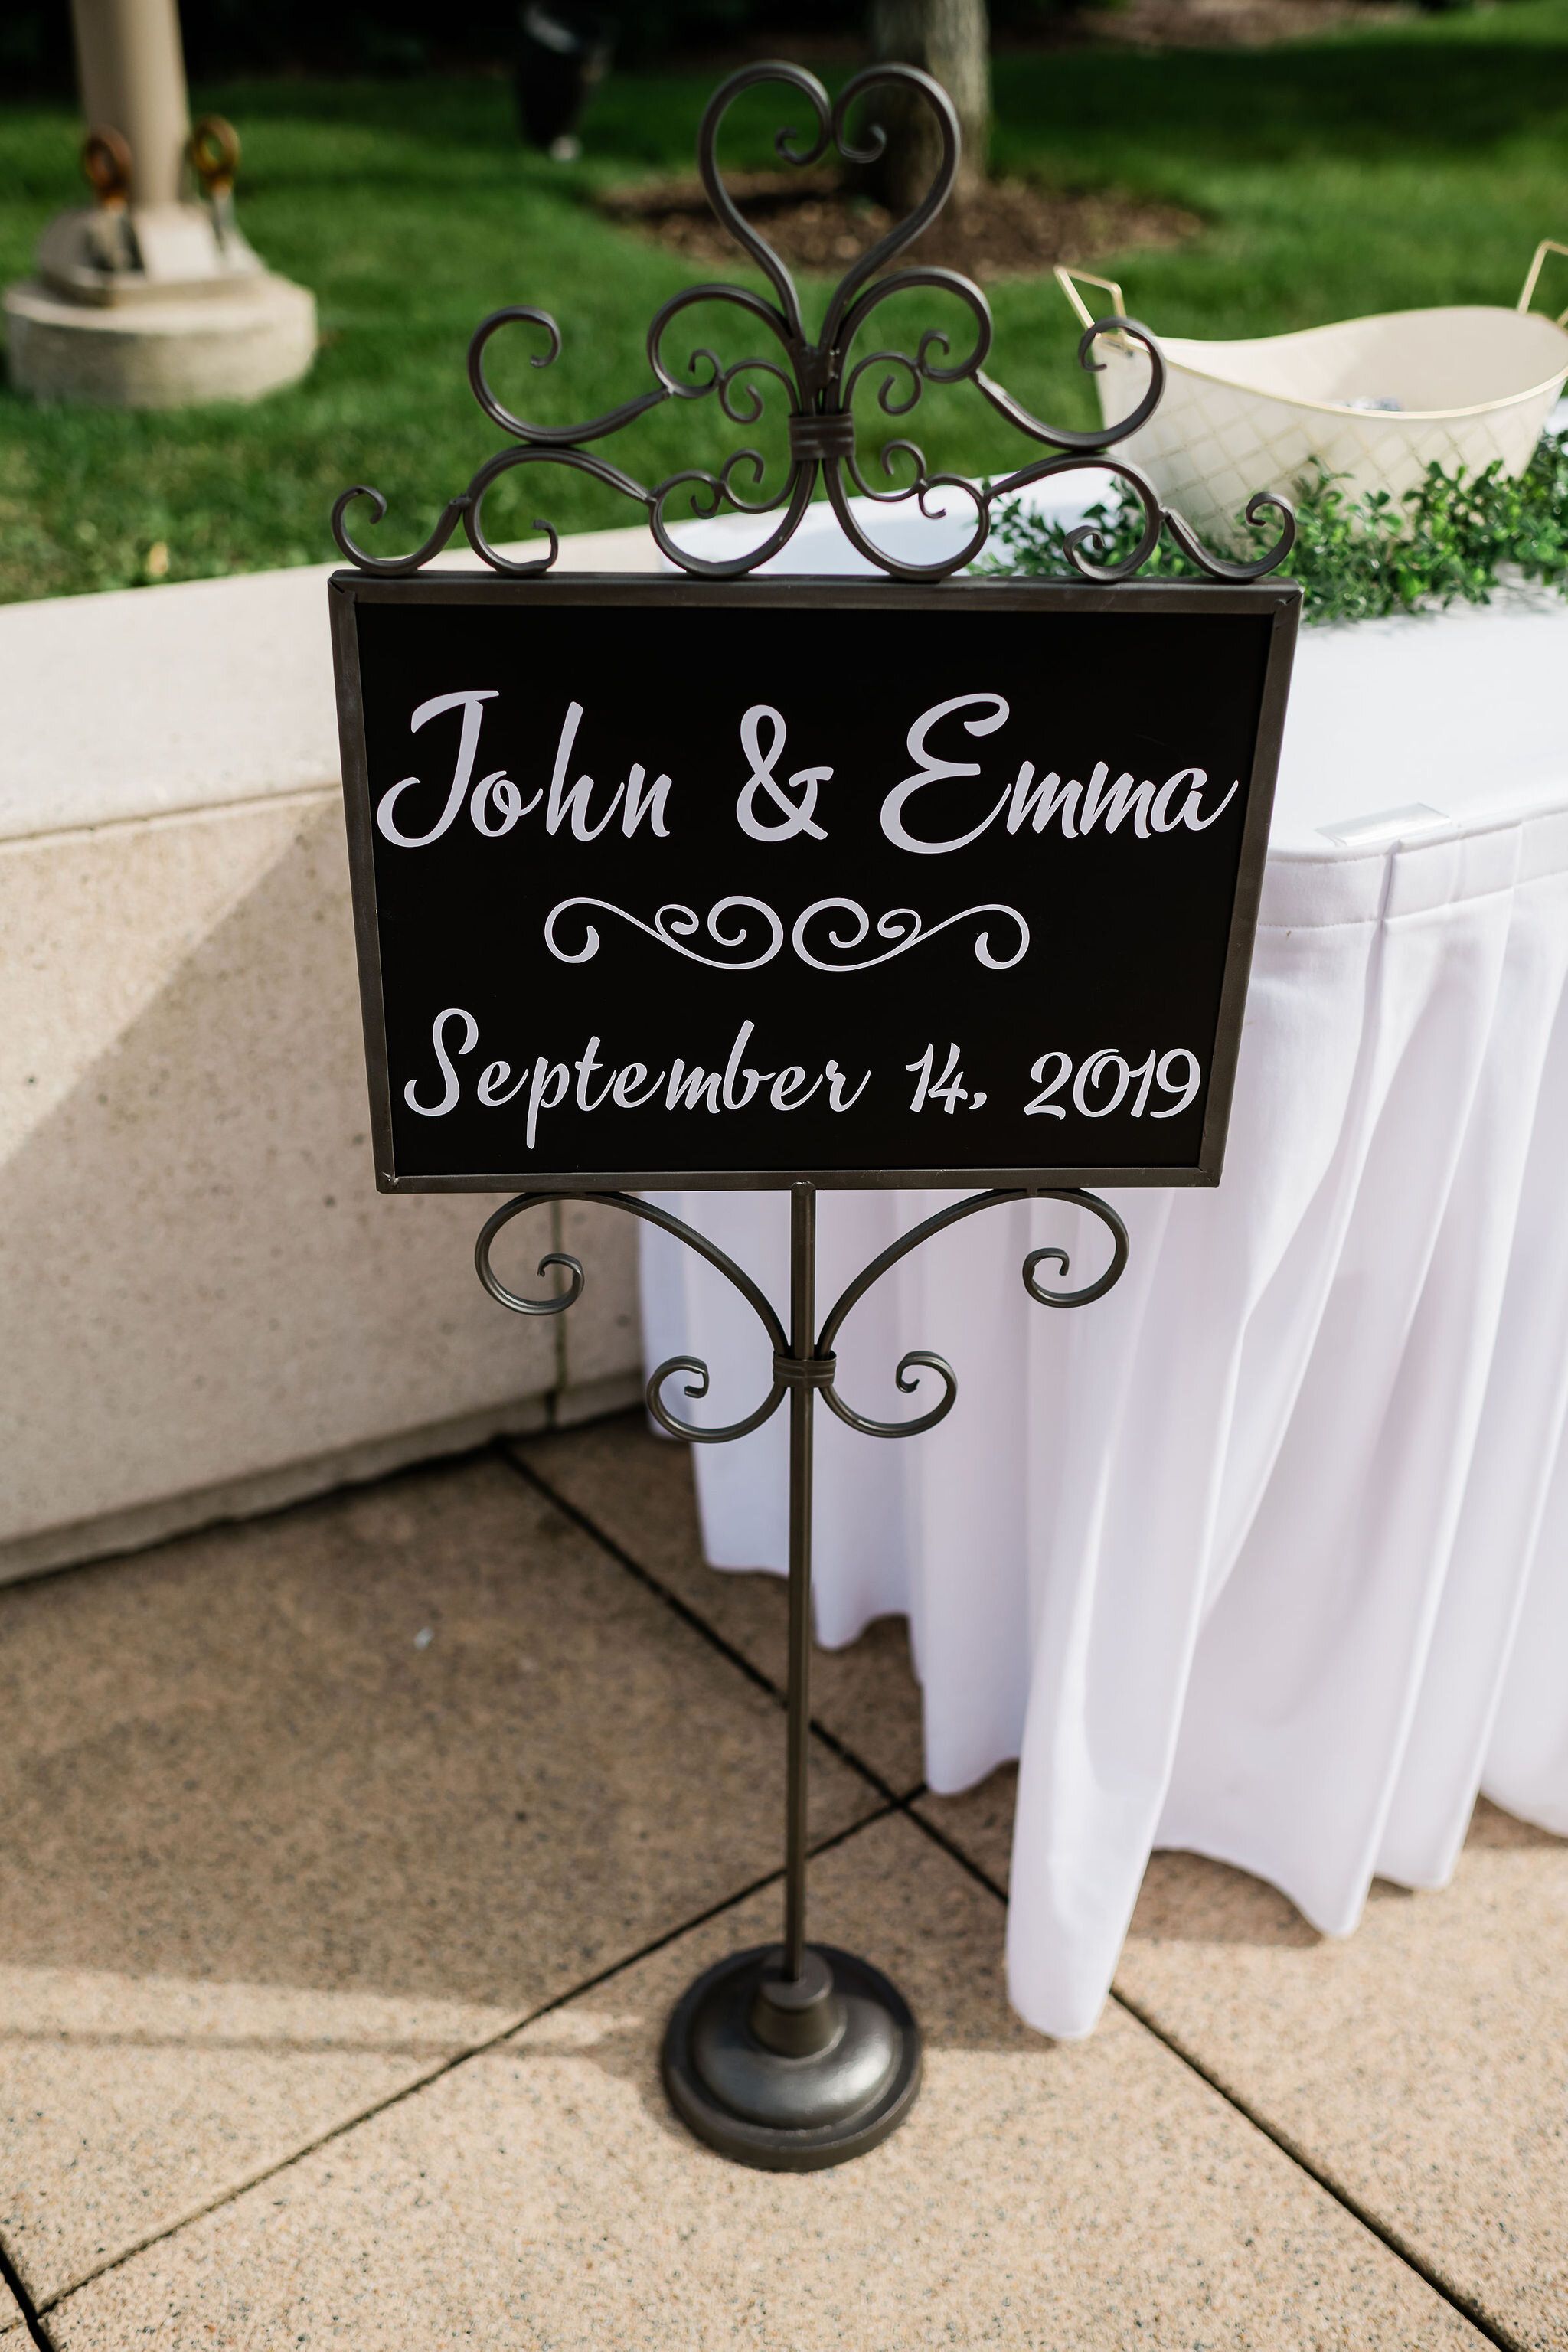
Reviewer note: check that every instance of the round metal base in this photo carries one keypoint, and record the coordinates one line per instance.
(791, 2078)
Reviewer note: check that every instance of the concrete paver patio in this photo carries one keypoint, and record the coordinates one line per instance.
(349, 1862)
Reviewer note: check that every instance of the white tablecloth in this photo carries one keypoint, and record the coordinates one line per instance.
(1265, 1554)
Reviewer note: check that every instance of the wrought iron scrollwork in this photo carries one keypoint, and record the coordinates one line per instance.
(818, 1370)
(819, 379)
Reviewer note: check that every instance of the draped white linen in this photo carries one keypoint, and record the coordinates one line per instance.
(1266, 1553)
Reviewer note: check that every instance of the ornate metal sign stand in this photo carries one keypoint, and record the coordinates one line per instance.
(794, 2056)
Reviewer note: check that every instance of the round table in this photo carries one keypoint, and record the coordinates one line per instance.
(1264, 1555)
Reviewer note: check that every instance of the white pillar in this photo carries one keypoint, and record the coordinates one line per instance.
(132, 78)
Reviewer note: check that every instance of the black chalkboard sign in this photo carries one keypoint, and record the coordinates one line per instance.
(674, 883)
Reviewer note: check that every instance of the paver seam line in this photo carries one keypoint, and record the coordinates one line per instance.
(699, 1624)
(347, 2123)
(1447, 2289)
(11, 2277)
(939, 1837)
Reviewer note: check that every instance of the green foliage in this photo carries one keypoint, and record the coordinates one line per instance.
(1367, 169)
(1444, 542)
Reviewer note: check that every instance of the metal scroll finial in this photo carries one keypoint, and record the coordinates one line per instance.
(817, 1368)
(820, 379)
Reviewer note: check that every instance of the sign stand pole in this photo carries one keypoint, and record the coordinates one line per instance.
(802, 1420)
(793, 2056)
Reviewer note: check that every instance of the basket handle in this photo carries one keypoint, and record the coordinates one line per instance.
(1069, 281)
(1548, 244)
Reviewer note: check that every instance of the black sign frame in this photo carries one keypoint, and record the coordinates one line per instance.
(1279, 600)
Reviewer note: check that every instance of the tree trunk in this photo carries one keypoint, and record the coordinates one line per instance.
(949, 38)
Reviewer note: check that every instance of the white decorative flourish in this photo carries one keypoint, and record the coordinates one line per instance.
(670, 926)
(674, 924)
(907, 929)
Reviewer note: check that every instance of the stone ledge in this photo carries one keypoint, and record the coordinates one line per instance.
(205, 1309)
(141, 701)
(146, 1524)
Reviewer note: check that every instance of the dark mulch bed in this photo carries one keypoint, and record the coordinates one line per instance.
(1007, 228)
(1224, 24)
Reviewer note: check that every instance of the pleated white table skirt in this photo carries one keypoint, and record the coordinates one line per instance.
(1265, 1554)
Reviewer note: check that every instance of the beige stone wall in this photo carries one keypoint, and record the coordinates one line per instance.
(206, 1306)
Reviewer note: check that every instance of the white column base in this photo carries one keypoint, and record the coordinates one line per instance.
(161, 353)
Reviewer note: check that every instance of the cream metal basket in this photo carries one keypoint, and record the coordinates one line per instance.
(1376, 400)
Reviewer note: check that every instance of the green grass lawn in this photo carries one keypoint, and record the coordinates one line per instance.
(1371, 171)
